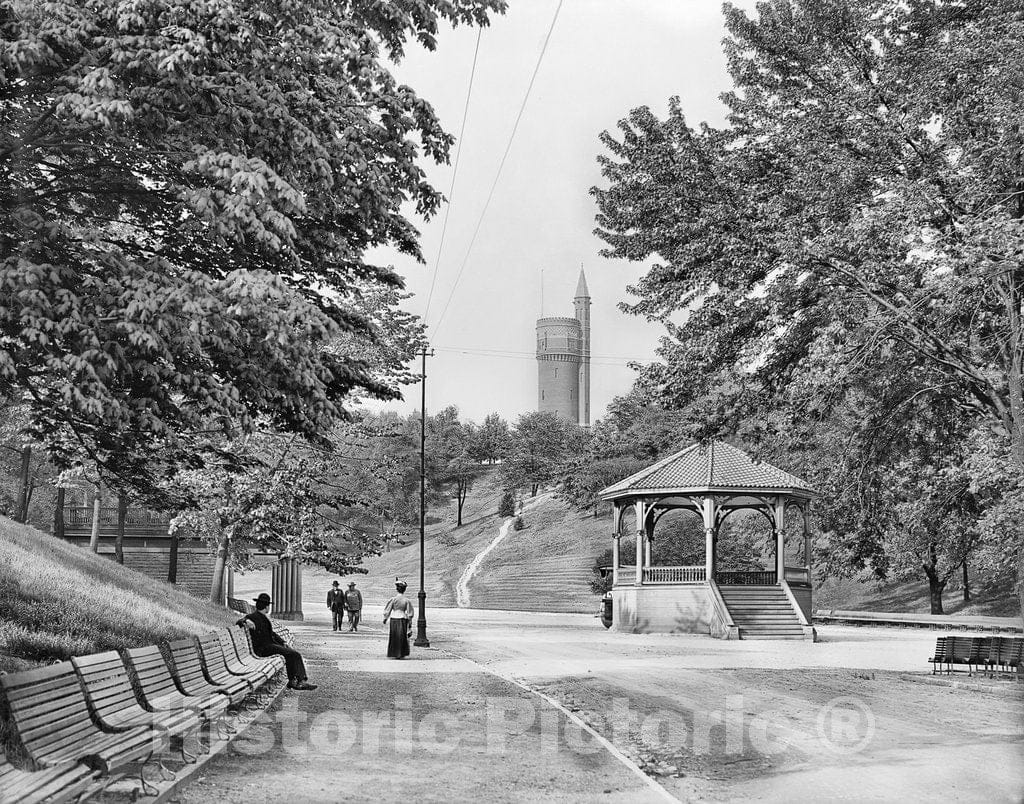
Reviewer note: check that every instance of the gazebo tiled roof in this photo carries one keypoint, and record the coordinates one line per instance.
(715, 465)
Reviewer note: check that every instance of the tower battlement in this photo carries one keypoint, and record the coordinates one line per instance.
(563, 361)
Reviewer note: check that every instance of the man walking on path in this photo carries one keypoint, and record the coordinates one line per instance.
(354, 604)
(336, 604)
(266, 642)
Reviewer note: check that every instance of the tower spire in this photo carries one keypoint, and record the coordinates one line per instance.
(582, 292)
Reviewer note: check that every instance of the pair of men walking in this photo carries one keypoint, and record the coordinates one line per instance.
(339, 601)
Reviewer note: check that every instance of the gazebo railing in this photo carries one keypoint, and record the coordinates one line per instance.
(746, 578)
(798, 574)
(674, 574)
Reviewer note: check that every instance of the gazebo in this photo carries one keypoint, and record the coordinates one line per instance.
(713, 480)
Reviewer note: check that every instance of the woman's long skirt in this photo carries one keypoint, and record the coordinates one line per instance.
(398, 639)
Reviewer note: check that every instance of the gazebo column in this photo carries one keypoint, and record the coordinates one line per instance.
(616, 541)
(641, 514)
(779, 511)
(708, 514)
(649, 543)
(807, 543)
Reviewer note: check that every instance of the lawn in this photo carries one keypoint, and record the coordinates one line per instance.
(59, 600)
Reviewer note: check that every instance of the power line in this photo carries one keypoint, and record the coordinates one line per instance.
(501, 165)
(455, 173)
(600, 360)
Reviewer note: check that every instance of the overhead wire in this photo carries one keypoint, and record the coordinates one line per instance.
(601, 360)
(455, 173)
(501, 165)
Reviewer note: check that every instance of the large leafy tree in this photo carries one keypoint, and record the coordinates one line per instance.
(187, 193)
(858, 220)
(634, 433)
(541, 444)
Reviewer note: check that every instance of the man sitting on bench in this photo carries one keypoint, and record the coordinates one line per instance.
(267, 643)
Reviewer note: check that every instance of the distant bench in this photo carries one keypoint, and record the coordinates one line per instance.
(989, 654)
(245, 607)
(79, 725)
(967, 623)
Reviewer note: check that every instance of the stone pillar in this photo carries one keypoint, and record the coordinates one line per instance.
(616, 538)
(286, 589)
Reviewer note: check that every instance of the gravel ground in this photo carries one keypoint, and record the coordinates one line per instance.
(433, 727)
(855, 717)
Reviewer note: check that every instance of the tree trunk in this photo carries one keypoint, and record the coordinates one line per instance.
(94, 537)
(172, 563)
(58, 514)
(219, 566)
(122, 515)
(967, 586)
(935, 588)
(23, 496)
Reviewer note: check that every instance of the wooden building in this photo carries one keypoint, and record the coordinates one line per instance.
(148, 546)
(713, 481)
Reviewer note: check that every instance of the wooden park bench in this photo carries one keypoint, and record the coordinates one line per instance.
(216, 669)
(239, 605)
(68, 781)
(115, 706)
(1005, 655)
(248, 657)
(160, 693)
(52, 723)
(187, 667)
(992, 654)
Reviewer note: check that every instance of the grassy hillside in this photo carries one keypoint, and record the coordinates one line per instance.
(912, 597)
(58, 600)
(448, 548)
(546, 566)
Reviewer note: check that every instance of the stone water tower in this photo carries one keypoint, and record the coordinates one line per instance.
(563, 361)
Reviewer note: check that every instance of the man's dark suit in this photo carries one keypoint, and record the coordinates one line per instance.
(265, 642)
(336, 603)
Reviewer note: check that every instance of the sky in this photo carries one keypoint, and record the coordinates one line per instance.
(603, 58)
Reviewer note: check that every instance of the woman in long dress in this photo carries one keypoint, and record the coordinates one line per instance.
(400, 611)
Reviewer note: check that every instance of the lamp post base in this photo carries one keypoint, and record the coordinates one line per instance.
(421, 640)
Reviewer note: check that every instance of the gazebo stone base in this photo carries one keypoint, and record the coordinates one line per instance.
(668, 609)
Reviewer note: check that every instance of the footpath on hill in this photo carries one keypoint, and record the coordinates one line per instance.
(434, 727)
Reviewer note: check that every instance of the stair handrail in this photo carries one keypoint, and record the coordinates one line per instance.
(794, 604)
(721, 610)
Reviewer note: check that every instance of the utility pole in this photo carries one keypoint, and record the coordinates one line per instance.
(421, 640)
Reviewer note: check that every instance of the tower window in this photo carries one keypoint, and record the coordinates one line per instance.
(542, 395)
(556, 372)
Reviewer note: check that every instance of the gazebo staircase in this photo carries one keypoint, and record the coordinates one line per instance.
(761, 612)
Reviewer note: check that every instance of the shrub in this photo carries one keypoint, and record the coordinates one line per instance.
(507, 506)
(599, 585)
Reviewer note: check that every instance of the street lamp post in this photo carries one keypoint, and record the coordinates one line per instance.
(421, 640)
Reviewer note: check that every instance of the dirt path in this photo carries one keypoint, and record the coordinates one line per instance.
(462, 588)
(434, 727)
(855, 717)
